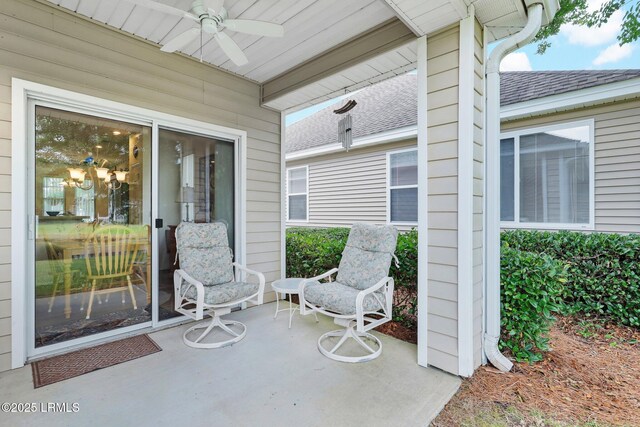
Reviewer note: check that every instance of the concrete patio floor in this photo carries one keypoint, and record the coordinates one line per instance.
(274, 377)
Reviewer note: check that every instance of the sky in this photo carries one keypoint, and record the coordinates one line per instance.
(574, 48)
(579, 48)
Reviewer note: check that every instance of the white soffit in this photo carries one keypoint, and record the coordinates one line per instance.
(387, 65)
(503, 17)
(311, 28)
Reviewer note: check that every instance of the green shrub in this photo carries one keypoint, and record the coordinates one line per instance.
(604, 270)
(313, 251)
(531, 285)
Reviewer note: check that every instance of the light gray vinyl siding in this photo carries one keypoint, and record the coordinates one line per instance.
(349, 187)
(617, 160)
(43, 44)
(442, 170)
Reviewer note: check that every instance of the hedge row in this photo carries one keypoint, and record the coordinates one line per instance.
(603, 270)
(531, 285)
(541, 273)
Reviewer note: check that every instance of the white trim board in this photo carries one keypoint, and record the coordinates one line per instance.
(385, 137)
(423, 207)
(23, 93)
(618, 91)
(466, 110)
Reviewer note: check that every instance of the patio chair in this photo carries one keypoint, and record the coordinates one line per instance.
(361, 297)
(209, 282)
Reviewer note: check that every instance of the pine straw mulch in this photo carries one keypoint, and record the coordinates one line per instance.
(592, 374)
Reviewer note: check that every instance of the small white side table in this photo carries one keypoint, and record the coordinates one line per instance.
(287, 287)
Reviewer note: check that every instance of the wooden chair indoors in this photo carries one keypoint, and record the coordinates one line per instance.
(110, 254)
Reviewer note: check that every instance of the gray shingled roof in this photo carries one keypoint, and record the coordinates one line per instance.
(520, 86)
(392, 103)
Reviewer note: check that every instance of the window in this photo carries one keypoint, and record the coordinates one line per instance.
(402, 188)
(297, 193)
(546, 177)
(85, 201)
(52, 194)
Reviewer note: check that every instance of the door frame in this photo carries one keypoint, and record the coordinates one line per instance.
(26, 94)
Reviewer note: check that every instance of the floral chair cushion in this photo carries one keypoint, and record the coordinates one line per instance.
(204, 252)
(367, 256)
(223, 293)
(339, 298)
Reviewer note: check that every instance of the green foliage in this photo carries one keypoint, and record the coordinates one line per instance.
(531, 286)
(576, 12)
(541, 273)
(604, 270)
(313, 251)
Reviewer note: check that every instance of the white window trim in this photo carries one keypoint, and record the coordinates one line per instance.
(24, 94)
(516, 134)
(301, 221)
(397, 187)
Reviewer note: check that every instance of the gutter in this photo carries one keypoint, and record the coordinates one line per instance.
(393, 135)
(492, 190)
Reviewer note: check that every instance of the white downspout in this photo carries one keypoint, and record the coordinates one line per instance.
(492, 214)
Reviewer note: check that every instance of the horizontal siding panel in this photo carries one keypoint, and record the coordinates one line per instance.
(445, 273)
(442, 360)
(439, 323)
(443, 290)
(443, 342)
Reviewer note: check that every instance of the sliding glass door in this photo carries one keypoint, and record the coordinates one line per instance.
(90, 204)
(196, 183)
(92, 271)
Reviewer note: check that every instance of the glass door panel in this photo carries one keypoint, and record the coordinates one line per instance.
(92, 241)
(195, 184)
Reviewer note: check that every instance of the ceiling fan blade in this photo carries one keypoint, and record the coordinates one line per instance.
(258, 28)
(160, 7)
(216, 5)
(231, 49)
(181, 40)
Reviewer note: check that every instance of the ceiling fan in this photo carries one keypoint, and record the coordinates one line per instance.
(213, 19)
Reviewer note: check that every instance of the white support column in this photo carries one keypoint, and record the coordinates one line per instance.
(283, 196)
(465, 194)
(423, 224)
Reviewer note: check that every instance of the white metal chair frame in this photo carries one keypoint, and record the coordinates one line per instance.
(356, 325)
(186, 306)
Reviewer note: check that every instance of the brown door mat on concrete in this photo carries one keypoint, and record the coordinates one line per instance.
(76, 363)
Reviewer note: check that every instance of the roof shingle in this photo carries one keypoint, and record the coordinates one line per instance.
(392, 103)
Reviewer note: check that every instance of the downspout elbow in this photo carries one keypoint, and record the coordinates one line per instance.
(518, 40)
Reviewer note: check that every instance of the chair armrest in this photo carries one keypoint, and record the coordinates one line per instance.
(178, 277)
(305, 282)
(387, 283)
(259, 275)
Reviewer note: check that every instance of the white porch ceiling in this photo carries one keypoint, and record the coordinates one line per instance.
(311, 27)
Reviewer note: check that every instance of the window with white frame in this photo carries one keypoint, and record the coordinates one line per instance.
(402, 191)
(546, 176)
(52, 194)
(297, 193)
